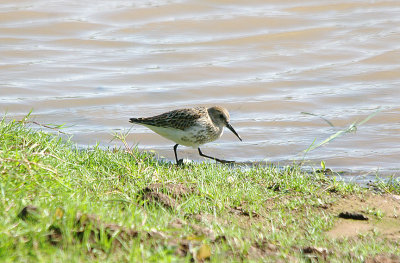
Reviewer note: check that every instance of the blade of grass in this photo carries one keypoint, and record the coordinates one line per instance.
(312, 114)
(352, 128)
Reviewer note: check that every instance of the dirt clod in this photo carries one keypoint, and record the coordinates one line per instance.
(167, 195)
(161, 198)
(318, 251)
(238, 210)
(175, 190)
(85, 221)
(28, 212)
(352, 215)
(55, 235)
(203, 231)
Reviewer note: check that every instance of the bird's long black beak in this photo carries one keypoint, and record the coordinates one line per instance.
(233, 130)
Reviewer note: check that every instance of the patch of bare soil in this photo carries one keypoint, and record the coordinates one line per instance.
(362, 215)
(92, 222)
(262, 249)
(167, 195)
(91, 227)
(383, 259)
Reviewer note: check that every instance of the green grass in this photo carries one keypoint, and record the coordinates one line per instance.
(124, 205)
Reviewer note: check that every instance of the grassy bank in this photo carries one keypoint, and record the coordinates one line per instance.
(62, 204)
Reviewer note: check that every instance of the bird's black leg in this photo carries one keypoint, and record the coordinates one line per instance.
(178, 162)
(218, 160)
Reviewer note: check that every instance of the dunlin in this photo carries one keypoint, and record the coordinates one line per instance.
(190, 127)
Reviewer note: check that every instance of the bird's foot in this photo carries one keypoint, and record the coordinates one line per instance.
(224, 161)
(180, 162)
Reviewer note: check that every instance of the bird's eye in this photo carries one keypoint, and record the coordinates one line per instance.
(221, 116)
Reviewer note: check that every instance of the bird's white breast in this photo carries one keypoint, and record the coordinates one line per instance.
(192, 137)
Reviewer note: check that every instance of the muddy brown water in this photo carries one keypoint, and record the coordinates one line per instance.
(94, 64)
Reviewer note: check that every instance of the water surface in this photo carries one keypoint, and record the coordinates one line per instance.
(94, 64)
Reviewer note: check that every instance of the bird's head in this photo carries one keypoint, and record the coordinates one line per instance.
(220, 117)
